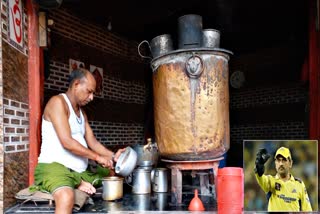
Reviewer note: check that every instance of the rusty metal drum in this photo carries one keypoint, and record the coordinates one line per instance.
(191, 104)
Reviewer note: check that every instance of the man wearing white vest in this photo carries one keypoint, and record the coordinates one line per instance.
(68, 143)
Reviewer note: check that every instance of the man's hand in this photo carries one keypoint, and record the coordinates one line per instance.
(118, 153)
(105, 161)
(261, 158)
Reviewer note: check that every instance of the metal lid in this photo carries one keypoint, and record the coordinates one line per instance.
(221, 50)
(112, 178)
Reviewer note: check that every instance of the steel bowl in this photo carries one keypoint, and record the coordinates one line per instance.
(126, 162)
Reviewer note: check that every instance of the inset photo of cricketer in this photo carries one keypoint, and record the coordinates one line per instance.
(280, 175)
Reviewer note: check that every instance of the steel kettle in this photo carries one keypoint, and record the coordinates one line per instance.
(147, 154)
(141, 181)
(159, 179)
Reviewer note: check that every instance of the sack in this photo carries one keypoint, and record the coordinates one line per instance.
(81, 198)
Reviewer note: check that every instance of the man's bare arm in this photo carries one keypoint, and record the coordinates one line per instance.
(96, 146)
(56, 112)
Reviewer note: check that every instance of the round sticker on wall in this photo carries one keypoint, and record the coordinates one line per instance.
(237, 79)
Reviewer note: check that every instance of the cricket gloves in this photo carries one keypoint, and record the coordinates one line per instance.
(261, 158)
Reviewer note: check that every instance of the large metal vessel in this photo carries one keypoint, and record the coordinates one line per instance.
(191, 103)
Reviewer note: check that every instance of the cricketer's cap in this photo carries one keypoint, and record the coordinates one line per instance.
(283, 151)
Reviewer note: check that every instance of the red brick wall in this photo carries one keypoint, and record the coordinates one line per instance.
(74, 28)
(111, 133)
(114, 88)
(117, 115)
(16, 126)
(14, 112)
(267, 95)
(273, 102)
(15, 121)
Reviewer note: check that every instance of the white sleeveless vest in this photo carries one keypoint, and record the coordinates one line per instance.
(53, 151)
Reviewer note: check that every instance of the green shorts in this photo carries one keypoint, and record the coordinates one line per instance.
(50, 176)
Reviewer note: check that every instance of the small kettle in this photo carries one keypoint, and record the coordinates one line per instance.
(159, 179)
(141, 181)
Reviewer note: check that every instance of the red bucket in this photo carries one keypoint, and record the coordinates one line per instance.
(230, 193)
(229, 209)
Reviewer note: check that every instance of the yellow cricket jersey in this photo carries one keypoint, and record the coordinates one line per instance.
(288, 195)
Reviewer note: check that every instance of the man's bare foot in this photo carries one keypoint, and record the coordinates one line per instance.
(87, 187)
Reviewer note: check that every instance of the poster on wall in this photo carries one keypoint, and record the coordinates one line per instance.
(98, 75)
(74, 64)
(15, 31)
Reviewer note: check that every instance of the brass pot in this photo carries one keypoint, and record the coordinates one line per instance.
(191, 104)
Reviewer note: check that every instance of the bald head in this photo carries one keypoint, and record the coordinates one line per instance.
(79, 74)
(82, 86)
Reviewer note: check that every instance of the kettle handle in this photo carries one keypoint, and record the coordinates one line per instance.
(144, 41)
(154, 173)
(128, 180)
(95, 180)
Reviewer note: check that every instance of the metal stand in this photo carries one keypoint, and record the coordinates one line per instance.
(204, 183)
(176, 173)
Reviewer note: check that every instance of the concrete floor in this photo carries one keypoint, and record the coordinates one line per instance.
(130, 203)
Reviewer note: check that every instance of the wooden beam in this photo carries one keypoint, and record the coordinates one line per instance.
(33, 88)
